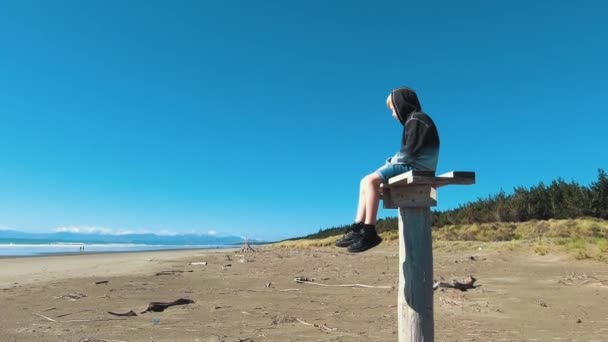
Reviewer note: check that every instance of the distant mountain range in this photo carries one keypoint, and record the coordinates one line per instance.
(17, 237)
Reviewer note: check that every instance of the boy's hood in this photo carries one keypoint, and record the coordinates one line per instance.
(405, 102)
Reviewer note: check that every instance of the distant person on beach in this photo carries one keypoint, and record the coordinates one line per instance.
(419, 151)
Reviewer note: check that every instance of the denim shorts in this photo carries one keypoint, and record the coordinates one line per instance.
(389, 170)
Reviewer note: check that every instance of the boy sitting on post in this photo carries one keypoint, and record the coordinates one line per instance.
(419, 151)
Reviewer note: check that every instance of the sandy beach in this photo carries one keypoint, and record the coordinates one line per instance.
(253, 296)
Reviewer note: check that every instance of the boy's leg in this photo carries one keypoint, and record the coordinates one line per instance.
(361, 206)
(366, 198)
(372, 197)
(354, 232)
(370, 188)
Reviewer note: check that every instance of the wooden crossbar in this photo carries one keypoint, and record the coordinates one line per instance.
(428, 177)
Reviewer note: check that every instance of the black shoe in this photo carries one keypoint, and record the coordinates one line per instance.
(352, 234)
(366, 241)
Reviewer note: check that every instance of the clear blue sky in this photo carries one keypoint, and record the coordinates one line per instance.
(259, 118)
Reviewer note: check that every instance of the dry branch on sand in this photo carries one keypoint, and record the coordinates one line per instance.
(161, 306)
(171, 272)
(79, 320)
(152, 307)
(246, 248)
(72, 296)
(305, 280)
(467, 284)
(126, 314)
(323, 327)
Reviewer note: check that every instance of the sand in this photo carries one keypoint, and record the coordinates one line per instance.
(522, 297)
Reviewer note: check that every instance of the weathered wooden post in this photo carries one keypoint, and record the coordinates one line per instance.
(413, 193)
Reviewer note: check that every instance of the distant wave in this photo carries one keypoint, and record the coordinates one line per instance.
(29, 249)
(73, 244)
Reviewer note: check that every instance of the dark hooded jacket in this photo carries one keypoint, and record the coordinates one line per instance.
(420, 140)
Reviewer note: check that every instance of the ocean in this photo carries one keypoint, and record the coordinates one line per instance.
(50, 248)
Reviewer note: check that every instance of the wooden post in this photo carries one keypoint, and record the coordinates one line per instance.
(413, 193)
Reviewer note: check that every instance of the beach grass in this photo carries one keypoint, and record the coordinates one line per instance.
(584, 238)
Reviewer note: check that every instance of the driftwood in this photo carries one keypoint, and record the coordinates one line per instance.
(305, 280)
(126, 314)
(72, 313)
(467, 284)
(161, 306)
(198, 263)
(102, 282)
(246, 248)
(172, 272)
(72, 296)
(79, 320)
(323, 327)
(154, 307)
(45, 317)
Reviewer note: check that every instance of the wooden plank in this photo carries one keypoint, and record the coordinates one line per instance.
(385, 195)
(410, 196)
(457, 178)
(409, 176)
(458, 174)
(415, 297)
(428, 177)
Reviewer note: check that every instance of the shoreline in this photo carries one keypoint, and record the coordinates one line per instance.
(51, 254)
(42, 269)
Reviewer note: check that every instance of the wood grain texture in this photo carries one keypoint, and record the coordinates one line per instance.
(415, 298)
